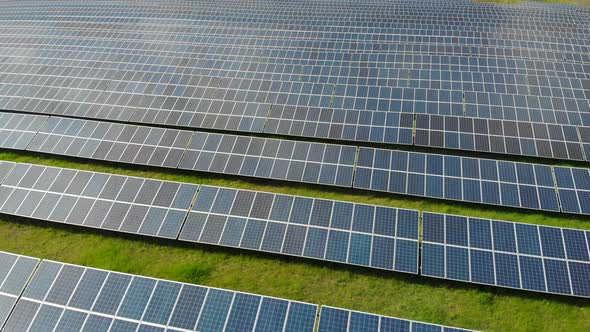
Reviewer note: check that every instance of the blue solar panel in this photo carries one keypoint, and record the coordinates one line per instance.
(457, 178)
(341, 320)
(573, 185)
(506, 254)
(71, 297)
(499, 136)
(367, 235)
(327, 164)
(111, 141)
(98, 200)
(15, 272)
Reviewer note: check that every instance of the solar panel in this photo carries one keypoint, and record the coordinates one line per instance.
(75, 298)
(111, 141)
(573, 186)
(506, 254)
(359, 234)
(342, 320)
(341, 124)
(15, 271)
(467, 179)
(98, 200)
(17, 130)
(271, 158)
(499, 136)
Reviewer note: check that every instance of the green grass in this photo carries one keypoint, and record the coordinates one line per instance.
(387, 293)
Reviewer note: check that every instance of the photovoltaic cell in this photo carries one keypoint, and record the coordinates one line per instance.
(15, 272)
(506, 254)
(63, 296)
(98, 200)
(5, 168)
(342, 320)
(367, 235)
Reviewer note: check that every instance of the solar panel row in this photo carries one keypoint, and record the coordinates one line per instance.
(500, 136)
(393, 40)
(342, 320)
(507, 254)
(271, 158)
(111, 141)
(477, 180)
(163, 147)
(257, 16)
(15, 272)
(359, 234)
(76, 298)
(453, 247)
(447, 73)
(466, 179)
(235, 103)
(98, 200)
(341, 124)
(70, 297)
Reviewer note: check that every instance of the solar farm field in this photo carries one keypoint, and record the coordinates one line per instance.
(175, 165)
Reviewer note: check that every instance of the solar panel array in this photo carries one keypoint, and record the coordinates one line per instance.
(98, 200)
(456, 75)
(358, 234)
(341, 320)
(298, 69)
(500, 253)
(77, 298)
(351, 233)
(467, 179)
(271, 158)
(477, 180)
(15, 271)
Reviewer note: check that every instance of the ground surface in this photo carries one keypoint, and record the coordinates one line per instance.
(395, 294)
